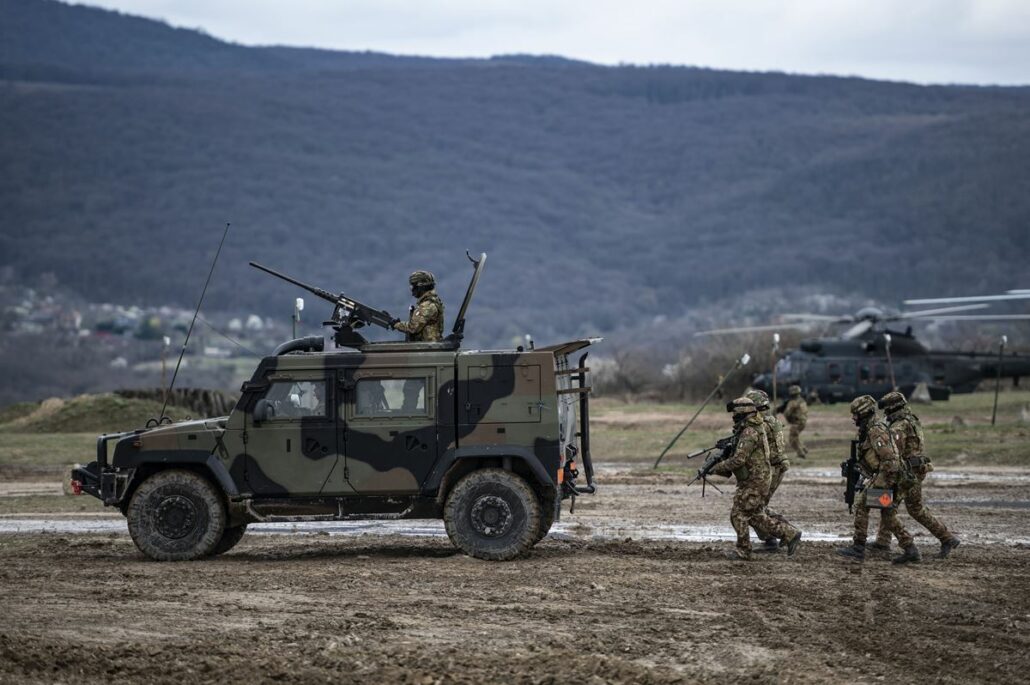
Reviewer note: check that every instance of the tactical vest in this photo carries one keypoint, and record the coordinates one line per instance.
(908, 436)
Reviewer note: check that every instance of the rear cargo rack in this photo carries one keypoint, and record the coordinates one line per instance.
(580, 376)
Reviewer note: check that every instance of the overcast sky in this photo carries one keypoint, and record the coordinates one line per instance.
(926, 41)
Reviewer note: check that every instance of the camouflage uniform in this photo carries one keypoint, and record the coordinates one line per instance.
(749, 464)
(426, 321)
(880, 464)
(774, 436)
(796, 414)
(908, 436)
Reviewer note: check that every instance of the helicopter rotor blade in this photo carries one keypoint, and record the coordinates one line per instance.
(1011, 295)
(982, 317)
(934, 312)
(818, 318)
(748, 329)
(857, 330)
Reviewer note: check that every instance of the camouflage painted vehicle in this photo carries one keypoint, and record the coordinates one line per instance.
(486, 440)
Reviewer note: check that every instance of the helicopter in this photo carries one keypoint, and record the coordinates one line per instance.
(869, 358)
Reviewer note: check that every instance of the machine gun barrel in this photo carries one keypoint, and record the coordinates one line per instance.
(356, 311)
(324, 294)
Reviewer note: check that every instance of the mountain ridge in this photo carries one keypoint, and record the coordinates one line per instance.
(604, 195)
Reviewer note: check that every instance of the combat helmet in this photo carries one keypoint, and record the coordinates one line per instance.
(863, 406)
(759, 397)
(740, 407)
(892, 401)
(422, 279)
(794, 391)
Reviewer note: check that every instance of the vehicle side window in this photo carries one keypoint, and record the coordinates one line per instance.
(297, 399)
(391, 397)
(863, 373)
(834, 373)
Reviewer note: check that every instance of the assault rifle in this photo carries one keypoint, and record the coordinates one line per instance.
(852, 476)
(348, 313)
(719, 452)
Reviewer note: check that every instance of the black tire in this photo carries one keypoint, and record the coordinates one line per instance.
(230, 536)
(176, 516)
(547, 511)
(492, 514)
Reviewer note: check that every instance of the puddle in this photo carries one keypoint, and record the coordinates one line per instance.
(983, 503)
(435, 529)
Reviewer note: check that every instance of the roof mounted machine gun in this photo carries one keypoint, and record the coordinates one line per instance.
(348, 314)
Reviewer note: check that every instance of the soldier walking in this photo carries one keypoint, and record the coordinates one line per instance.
(908, 437)
(778, 464)
(796, 414)
(749, 465)
(882, 467)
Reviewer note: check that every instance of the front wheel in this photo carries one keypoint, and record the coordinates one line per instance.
(230, 537)
(176, 516)
(492, 514)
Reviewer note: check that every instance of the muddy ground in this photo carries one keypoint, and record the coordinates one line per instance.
(633, 588)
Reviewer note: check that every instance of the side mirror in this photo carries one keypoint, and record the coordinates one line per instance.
(263, 411)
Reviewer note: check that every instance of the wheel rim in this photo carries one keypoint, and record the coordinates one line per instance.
(175, 517)
(491, 516)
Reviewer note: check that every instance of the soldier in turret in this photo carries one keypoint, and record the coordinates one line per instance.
(749, 465)
(882, 468)
(796, 414)
(425, 323)
(908, 436)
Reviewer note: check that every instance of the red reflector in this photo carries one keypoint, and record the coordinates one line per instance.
(76, 487)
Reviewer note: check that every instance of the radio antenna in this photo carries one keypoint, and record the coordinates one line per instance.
(168, 392)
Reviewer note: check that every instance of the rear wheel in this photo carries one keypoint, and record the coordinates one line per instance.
(176, 516)
(493, 514)
(230, 536)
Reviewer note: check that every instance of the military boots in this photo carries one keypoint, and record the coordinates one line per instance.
(856, 552)
(909, 555)
(948, 545)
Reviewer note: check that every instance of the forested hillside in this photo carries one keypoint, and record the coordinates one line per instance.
(604, 195)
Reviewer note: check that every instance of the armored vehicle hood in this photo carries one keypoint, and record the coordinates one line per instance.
(198, 434)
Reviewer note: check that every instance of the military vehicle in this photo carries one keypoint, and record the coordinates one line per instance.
(871, 359)
(486, 440)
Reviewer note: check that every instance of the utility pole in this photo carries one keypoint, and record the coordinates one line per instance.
(890, 362)
(775, 352)
(997, 378)
(298, 307)
(165, 344)
(743, 361)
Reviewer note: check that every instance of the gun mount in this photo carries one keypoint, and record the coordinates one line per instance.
(349, 315)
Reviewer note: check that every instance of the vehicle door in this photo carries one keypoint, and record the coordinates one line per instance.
(293, 450)
(390, 433)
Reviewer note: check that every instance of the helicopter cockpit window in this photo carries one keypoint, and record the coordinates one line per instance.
(297, 399)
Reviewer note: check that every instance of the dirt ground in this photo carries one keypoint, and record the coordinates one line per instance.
(633, 587)
(601, 600)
